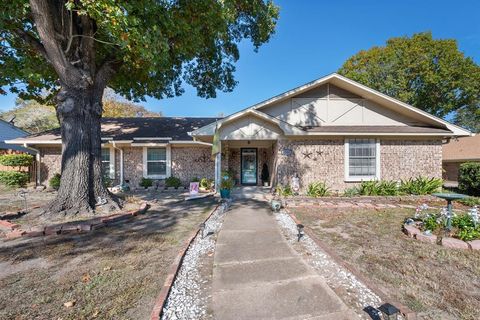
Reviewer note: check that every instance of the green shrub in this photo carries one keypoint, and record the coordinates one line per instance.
(195, 179)
(430, 223)
(468, 234)
(351, 192)
(284, 190)
(206, 183)
(420, 185)
(318, 189)
(378, 188)
(226, 184)
(16, 160)
(145, 182)
(54, 181)
(470, 201)
(469, 178)
(462, 221)
(173, 182)
(14, 178)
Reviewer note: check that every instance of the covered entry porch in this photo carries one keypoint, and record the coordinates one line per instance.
(246, 160)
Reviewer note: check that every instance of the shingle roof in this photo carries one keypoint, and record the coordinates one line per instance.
(378, 129)
(176, 128)
(467, 148)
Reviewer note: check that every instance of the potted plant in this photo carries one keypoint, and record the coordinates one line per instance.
(265, 176)
(226, 186)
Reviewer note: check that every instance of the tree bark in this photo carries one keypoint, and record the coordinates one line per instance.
(81, 183)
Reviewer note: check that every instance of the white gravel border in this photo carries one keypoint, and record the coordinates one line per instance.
(334, 274)
(185, 300)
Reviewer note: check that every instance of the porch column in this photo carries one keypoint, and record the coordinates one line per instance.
(218, 169)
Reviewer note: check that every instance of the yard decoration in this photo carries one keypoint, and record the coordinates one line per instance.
(68, 52)
(389, 311)
(449, 214)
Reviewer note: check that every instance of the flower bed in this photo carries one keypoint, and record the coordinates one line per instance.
(430, 226)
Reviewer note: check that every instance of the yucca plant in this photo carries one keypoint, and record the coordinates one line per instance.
(420, 185)
(378, 188)
(318, 189)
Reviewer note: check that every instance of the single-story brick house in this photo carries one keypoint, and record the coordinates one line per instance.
(458, 151)
(332, 129)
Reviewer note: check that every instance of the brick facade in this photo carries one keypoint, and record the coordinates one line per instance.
(323, 160)
(312, 160)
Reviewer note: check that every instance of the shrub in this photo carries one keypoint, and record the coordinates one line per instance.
(462, 221)
(284, 190)
(318, 189)
(469, 234)
(469, 178)
(351, 192)
(195, 179)
(226, 184)
(420, 185)
(206, 183)
(16, 160)
(173, 182)
(14, 178)
(54, 181)
(145, 182)
(431, 223)
(378, 188)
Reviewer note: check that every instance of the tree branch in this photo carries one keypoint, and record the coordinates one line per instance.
(33, 42)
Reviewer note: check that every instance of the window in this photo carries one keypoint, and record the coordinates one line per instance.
(107, 163)
(156, 163)
(362, 159)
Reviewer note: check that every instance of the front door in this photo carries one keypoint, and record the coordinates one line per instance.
(249, 166)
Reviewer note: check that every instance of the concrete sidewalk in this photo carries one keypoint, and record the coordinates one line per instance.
(257, 275)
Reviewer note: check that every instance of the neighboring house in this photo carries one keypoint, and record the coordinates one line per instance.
(8, 131)
(332, 129)
(458, 151)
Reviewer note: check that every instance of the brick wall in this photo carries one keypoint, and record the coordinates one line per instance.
(191, 162)
(132, 166)
(323, 160)
(51, 163)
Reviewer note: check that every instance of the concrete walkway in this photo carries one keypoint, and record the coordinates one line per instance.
(257, 275)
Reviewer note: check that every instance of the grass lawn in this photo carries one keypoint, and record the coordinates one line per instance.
(436, 282)
(111, 273)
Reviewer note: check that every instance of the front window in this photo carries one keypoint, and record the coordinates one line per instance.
(362, 161)
(106, 161)
(156, 161)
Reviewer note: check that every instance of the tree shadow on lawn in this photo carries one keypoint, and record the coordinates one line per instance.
(117, 238)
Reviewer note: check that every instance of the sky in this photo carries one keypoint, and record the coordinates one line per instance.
(313, 38)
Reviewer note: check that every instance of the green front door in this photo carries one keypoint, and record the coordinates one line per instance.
(249, 166)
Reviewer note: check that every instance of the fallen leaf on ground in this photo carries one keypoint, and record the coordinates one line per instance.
(69, 304)
(86, 278)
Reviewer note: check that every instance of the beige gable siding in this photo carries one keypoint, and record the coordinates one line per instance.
(249, 128)
(331, 105)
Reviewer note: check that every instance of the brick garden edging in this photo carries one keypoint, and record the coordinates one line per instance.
(406, 312)
(446, 242)
(173, 271)
(70, 227)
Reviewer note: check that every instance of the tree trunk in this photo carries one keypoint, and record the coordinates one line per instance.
(81, 183)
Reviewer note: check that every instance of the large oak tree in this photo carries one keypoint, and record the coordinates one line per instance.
(430, 74)
(73, 49)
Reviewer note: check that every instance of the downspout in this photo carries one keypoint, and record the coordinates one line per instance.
(38, 160)
(121, 161)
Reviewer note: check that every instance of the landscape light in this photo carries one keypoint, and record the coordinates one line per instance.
(389, 311)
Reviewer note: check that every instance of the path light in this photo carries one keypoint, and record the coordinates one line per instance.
(202, 229)
(389, 312)
(301, 232)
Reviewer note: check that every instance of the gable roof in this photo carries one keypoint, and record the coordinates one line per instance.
(9, 131)
(123, 129)
(462, 149)
(356, 88)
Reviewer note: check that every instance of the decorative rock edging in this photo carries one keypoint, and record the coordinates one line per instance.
(161, 302)
(361, 202)
(70, 227)
(446, 242)
(404, 310)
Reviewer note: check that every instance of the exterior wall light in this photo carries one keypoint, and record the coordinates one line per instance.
(389, 311)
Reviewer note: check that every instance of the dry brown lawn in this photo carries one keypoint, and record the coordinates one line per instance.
(111, 273)
(436, 282)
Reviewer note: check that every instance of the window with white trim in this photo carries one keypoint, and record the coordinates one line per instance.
(156, 162)
(362, 159)
(107, 163)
